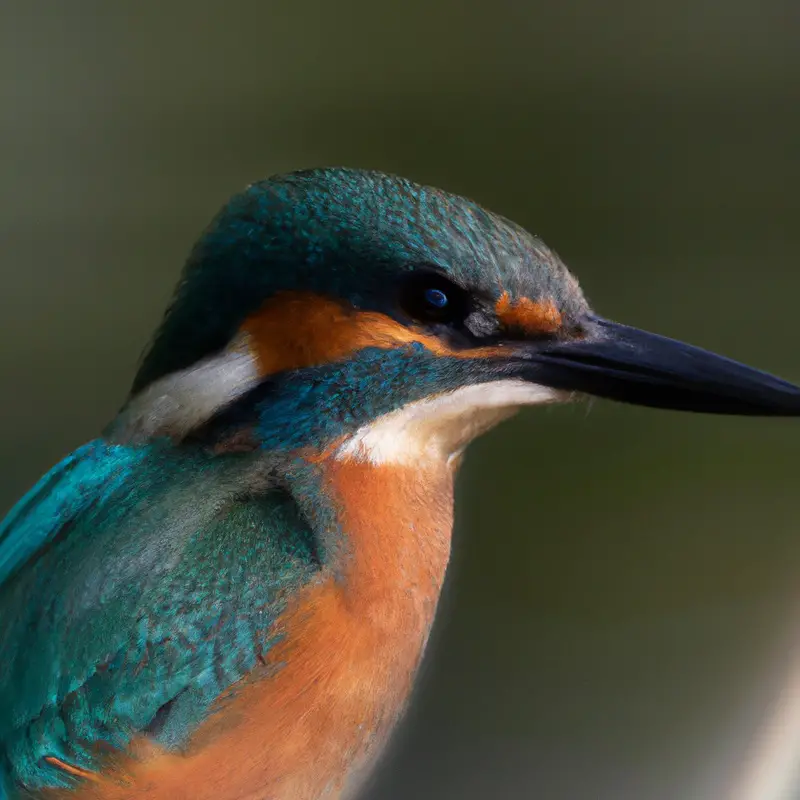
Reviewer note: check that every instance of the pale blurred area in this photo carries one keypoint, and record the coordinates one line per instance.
(623, 611)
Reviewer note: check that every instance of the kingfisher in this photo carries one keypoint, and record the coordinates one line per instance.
(227, 594)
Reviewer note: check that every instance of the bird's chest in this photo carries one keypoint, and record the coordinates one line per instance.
(347, 649)
(309, 723)
(353, 641)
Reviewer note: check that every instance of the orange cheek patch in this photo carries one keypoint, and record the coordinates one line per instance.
(297, 329)
(529, 316)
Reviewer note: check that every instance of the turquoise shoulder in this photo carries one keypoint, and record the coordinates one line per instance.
(136, 585)
(83, 477)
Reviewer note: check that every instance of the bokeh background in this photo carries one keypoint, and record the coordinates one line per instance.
(624, 600)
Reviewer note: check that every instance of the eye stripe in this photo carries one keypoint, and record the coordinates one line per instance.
(331, 331)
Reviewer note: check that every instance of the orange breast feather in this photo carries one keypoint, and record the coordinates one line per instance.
(342, 672)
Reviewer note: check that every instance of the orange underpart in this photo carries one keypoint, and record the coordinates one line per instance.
(316, 712)
(299, 329)
(528, 316)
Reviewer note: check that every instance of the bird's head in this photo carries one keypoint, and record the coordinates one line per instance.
(354, 310)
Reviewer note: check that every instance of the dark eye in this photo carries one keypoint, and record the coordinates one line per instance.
(436, 298)
(429, 297)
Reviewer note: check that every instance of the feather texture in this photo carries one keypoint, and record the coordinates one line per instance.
(146, 582)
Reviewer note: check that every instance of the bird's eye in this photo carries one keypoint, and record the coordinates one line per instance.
(430, 297)
(436, 298)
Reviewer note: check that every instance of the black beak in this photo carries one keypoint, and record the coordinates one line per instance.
(634, 366)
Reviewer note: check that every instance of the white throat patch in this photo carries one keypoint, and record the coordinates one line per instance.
(438, 428)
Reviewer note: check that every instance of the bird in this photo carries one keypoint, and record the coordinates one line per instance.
(228, 592)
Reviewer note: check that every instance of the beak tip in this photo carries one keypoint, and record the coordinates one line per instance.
(641, 368)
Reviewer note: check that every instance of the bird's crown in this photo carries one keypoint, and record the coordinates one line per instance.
(368, 242)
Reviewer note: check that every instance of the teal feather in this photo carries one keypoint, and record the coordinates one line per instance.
(60, 495)
(139, 583)
(146, 581)
(342, 233)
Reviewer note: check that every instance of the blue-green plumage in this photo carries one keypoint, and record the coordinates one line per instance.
(342, 233)
(152, 576)
(144, 581)
(284, 415)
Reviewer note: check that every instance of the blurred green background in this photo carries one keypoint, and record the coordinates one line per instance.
(623, 600)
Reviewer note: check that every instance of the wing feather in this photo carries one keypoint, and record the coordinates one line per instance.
(136, 585)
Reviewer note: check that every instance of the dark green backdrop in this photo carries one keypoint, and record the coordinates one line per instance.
(624, 594)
